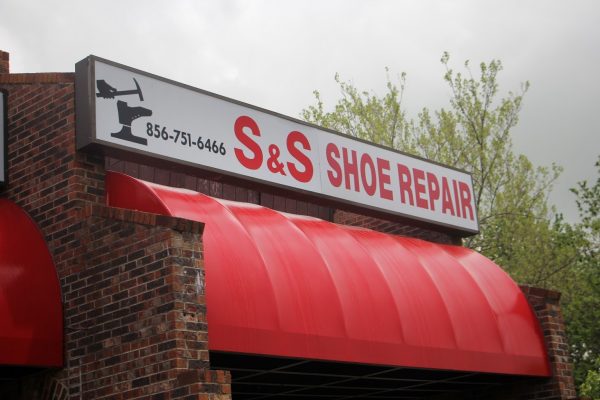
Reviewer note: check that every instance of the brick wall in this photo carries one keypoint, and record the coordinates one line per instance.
(546, 304)
(46, 177)
(392, 227)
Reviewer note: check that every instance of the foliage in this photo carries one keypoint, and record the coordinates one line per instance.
(582, 301)
(588, 202)
(591, 385)
(366, 116)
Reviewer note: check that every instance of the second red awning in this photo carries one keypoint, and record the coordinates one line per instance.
(31, 319)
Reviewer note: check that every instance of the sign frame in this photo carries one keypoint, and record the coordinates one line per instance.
(87, 139)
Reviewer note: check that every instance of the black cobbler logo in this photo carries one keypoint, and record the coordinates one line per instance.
(126, 113)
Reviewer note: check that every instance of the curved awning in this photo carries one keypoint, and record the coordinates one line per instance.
(31, 321)
(296, 286)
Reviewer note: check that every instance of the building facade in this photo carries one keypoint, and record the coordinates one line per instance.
(134, 281)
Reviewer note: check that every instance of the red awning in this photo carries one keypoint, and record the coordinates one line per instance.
(31, 321)
(296, 286)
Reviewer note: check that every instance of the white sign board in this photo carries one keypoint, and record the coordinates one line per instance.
(131, 110)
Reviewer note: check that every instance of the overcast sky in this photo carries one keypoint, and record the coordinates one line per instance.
(273, 54)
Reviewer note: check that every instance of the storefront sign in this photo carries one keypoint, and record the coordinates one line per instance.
(123, 108)
(3, 141)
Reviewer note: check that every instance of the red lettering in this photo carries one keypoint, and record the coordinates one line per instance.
(294, 138)
(256, 160)
(383, 173)
(350, 168)
(446, 197)
(465, 200)
(366, 161)
(405, 184)
(335, 173)
(456, 198)
(419, 176)
(433, 189)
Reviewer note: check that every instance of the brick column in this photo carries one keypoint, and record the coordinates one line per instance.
(4, 62)
(135, 311)
(546, 304)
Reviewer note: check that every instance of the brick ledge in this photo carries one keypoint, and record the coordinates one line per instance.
(43, 77)
(540, 292)
(143, 218)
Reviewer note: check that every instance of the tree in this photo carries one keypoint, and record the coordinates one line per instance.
(590, 388)
(474, 134)
(582, 305)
